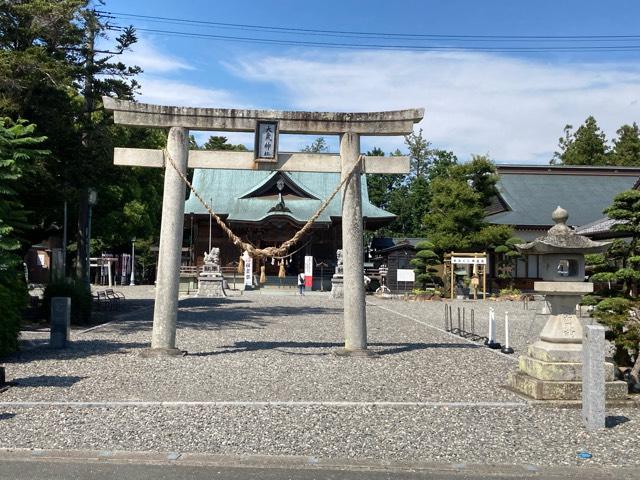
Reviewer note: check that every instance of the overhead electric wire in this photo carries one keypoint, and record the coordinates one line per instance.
(428, 42)
(588, 48)
(156, 18)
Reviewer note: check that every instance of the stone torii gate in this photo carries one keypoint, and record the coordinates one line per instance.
(349, 126)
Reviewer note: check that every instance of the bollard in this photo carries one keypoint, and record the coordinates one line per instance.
(60, 322)
(506, 348)
(463, 332)
(491, 341)
(446, 318)
(473, 324)
(593, 377)
(458, 329)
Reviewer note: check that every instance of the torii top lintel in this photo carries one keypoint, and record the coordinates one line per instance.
(399, 122)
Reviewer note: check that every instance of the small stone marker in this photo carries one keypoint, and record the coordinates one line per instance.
(593, 377)
(60, 322)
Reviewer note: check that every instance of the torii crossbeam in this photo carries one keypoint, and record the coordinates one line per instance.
(349, 126)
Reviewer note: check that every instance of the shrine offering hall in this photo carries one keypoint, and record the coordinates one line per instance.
(267, 208)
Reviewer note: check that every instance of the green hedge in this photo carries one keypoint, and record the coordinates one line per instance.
(13, 299)
(80, 300)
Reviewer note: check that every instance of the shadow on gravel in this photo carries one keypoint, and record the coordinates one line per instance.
(380, 348)
(6, 416)
(613, 421)
(76, 349)
(47, 381)
(206, 314)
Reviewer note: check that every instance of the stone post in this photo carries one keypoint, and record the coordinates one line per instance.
(60, 322)
(593, 377)
(355, 322)
(163, 338)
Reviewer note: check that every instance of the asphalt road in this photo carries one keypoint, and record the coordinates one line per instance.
(60, 469)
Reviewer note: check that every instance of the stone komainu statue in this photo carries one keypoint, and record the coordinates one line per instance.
(213, 257)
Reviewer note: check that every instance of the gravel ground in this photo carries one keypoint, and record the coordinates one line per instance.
(279, 348)
(524, 325)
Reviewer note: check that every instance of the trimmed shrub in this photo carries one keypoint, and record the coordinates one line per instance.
(80, 300)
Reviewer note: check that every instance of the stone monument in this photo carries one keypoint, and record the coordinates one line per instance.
(337, 281)
(552, 367)
(60, 322)
(210, 280)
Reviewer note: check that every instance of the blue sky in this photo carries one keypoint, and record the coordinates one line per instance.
(510, 105)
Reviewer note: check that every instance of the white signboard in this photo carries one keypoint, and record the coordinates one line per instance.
(266, 147)
(308, 271)
(406, 275)
(248, 269)
(469, 260)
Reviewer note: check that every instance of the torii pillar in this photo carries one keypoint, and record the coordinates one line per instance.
(350, 126)
(355, 320)
(165, 312)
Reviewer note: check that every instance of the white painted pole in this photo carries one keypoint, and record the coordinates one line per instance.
(132, 280)
(210, 203)
(491, 320)
(506, 329)
(506, 348)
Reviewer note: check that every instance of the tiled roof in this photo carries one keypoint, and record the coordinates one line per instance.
(530, 194)
(603, 225)
(224, 190)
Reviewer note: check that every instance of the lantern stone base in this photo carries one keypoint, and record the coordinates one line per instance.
(553, 371)
(560, 390)
(337, 286)
(211, 286)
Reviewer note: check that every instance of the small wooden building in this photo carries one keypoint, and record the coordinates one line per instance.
(396, 254)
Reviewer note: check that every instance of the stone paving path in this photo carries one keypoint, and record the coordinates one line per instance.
(260, 378)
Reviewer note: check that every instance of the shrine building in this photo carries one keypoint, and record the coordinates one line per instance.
(267, 208)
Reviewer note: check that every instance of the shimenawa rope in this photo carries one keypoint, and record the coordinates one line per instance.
(268, 251)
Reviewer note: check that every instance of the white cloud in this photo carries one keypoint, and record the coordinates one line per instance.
(146, 55)
(164, 91)
(512, 109)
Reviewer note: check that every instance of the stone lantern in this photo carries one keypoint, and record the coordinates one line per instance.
(552, 367)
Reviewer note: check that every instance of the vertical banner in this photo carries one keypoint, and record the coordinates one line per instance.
(308, 271)
(248, 270)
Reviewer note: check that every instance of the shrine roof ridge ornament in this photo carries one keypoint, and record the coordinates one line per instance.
(397, 122)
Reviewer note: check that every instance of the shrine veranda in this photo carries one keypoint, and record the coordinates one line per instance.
(261, 378)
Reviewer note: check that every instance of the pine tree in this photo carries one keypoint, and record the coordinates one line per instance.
(424, 265)
(626, 148)
(585, 146)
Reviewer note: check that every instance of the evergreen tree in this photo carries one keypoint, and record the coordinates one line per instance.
(626, 209)
(626, 148)
(424, 265)
(585, 146)
(52, 74)
(220, 143)
(380, 187)
(18, 149)
(455, 217)
(319, 145)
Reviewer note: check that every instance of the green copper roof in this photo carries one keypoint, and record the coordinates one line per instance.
(531, 197)
(224, 190)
